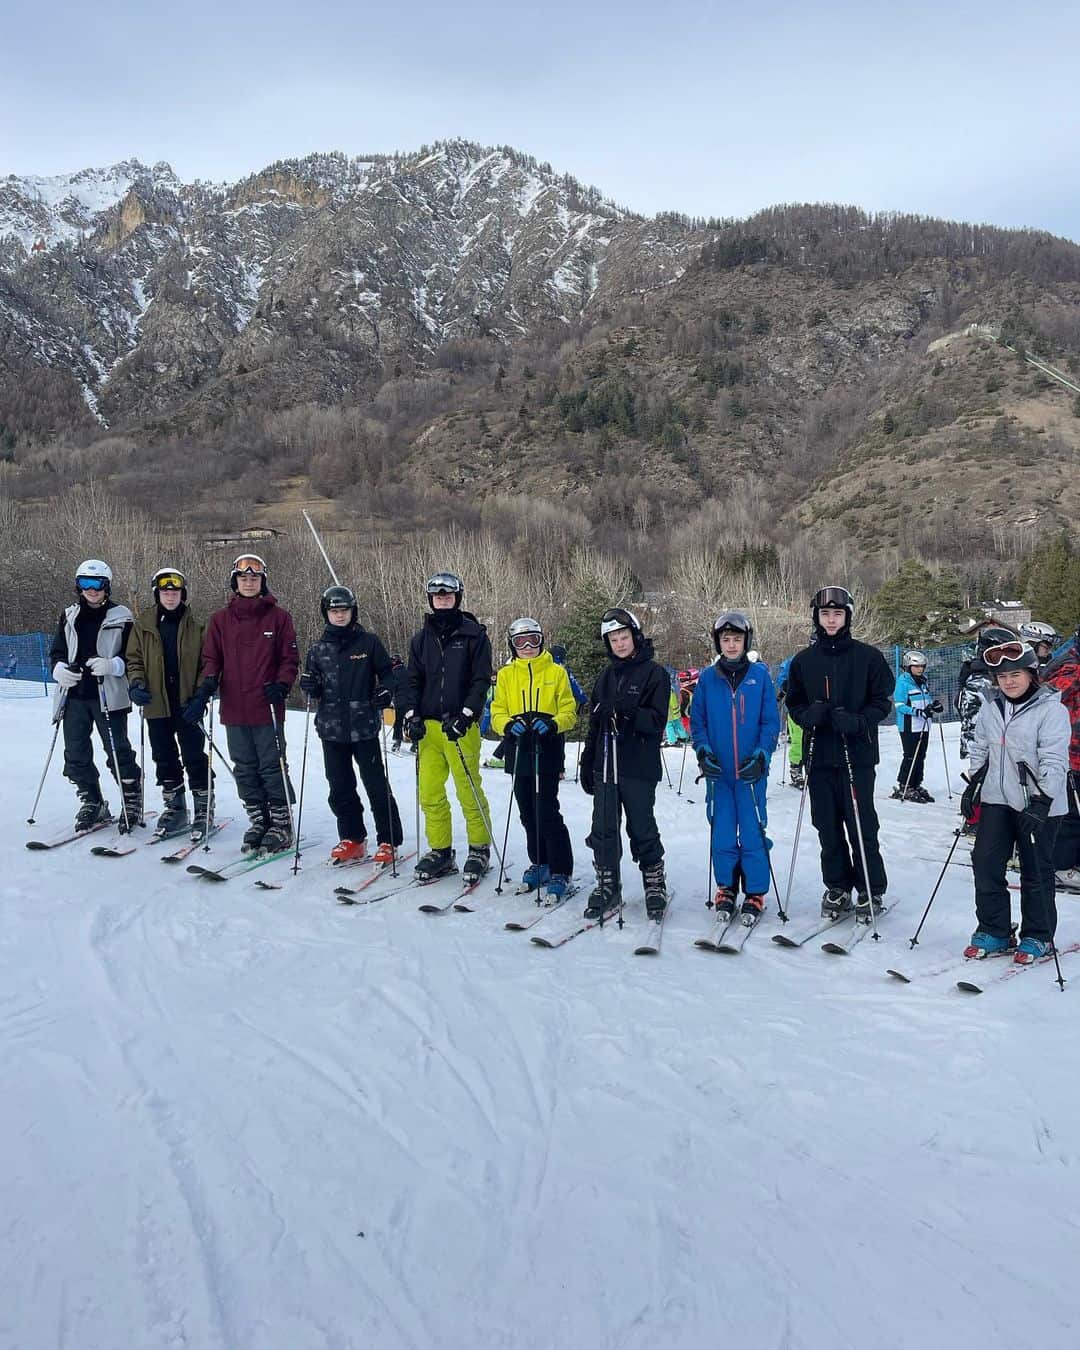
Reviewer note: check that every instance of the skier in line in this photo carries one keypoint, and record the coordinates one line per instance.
(558, 655)
(249, 654)
(533, 709)
(620, 763)
(1044, 638)
(163, 651)
(795, 735)
(973, 686)
(1019, 766)
(1064, 676)
(441, 696)
(350, 675)
(87, 663)
(734, 727)
(839, 689)
(674, 732)
(916, 708)
(397, 665)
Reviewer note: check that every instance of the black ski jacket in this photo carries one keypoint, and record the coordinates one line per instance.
(353, 666)
(639, 690)
(842, 673)
(449, 667)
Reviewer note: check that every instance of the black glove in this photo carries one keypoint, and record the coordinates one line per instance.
(754, 767)
(383, 697)
(970, 798)
(455, 725)
(415, 729)
(816, 715)
(603, 712)
(848, 723)
(276, 691)
(543, 724)
(936, 708)
(1037, 812)
(709, 765)
(195, 707)
(588, 780)
(140, 695)
(311, 685)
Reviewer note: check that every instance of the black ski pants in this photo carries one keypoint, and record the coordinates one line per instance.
(914, 743)
(634, 798)
(541, 810)
(254, 753)
(1001, 830)
(1067, 844)
(833, 815)
(81, 716)
(344, 799)
(173, 740)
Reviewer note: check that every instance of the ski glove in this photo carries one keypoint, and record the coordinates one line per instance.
(518, 727)
(543, 723)
(456, 725)
(414, 728)
(140, 695)
(816, 715)
(311, 685)
(972, 792)
(937, 707)
(194, 708)
(65, 677)
(1037, 812)
(754, 767)
(848, 723)
(709, 765)
(100, 666)
(383, 697)
(276, 691)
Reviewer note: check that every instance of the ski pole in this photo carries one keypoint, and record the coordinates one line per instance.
(210, 780)
(416, 782)
(60, 705)
(799, 819)
(303, 773)
(710, 811)
(768, 858)
(479, 806)
(577, 761)
(389, 802)
(536, 809)
(667, 772)
(915, 759)
(509, 808)
(1026, 773)
(945, 760)
(102, 700)
(613, 744)
(914, 941)
(142, 764)
(284, 774)
(859, 836)
(682, 766)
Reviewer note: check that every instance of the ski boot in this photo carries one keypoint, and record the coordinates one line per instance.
(92, 810)
(279, 834)
(348, 851)
(919, 794)
(897, 794)
(1031, 950)
(477, 864)
(1069, 880)
(131, 816)
(605, 896)
(656, 896)
(557, 886)
(862, 907)
(174, 812)
(436, 863)
(535, 875)
(201, 822)
(384, 855)
(753, 907)
(983, 945)
(724, 901)
(797, 776)
(835, 903)
(260, 822)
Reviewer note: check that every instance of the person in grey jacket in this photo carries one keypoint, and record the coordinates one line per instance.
(1019, 761)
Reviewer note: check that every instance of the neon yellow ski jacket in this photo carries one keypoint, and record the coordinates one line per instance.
(533, 684)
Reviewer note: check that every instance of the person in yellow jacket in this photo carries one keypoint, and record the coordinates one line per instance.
(532, 709)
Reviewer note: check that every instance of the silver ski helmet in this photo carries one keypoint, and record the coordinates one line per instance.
(169, 579)
(523, 628)
(1037, 633)
(733, 621)
(338, 597)
(913, 657)
(249, 565)
(96, 574)
(614, 619)
(445, 583)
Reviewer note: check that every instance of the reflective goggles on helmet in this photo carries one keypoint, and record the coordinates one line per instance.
(444, 583)
(614, 619)
(249, 567)
(91, 583)
(169, 581)
(1005, 651)
(833, 597)
(523, 641)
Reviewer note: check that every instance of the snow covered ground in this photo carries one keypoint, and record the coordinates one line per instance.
(234, 1118)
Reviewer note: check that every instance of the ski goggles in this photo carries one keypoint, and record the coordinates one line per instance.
(170, 581)
(91, 583)
(1006, 651)
(523, 641)
(444, 583)
(833, 597)
(249, 567)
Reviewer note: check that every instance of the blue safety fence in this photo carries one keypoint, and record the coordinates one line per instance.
(24, 664)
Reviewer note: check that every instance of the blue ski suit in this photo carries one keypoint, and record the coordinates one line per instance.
(732, 716)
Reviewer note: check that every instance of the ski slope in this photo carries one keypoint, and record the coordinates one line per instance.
(237, 1119)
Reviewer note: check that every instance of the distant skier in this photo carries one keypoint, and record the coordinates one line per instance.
(1064, 676)
(916, 708)
(1044, 639)
(794, 731)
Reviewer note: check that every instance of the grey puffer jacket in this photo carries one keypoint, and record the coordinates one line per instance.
(1035, 733)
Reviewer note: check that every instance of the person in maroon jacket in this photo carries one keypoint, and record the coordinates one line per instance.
(249, 657)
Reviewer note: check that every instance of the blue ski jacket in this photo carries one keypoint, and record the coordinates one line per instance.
(734, 722)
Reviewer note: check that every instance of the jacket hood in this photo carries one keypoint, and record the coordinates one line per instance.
(253, 605)
(465, 623)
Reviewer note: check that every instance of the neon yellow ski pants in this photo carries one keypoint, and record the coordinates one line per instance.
(439, 758)
(795, 745)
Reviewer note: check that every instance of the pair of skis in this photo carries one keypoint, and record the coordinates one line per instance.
(1001, 970)
(650, 944)
(729, 932)
(862, 929)
(248, 862)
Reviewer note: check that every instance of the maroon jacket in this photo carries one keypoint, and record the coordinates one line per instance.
(1065, 678)
(249, 643)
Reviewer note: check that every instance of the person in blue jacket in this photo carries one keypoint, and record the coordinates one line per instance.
(734, 727)
(916, 708)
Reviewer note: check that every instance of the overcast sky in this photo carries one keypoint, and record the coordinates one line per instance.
(963, 110)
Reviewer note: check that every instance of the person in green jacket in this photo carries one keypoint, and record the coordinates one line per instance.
(163, 652)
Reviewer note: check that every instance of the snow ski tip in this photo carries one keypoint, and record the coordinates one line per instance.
(967, 987)
(898, 975)
(782, 940)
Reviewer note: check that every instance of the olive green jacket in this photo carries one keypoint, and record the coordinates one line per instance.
(146, 658)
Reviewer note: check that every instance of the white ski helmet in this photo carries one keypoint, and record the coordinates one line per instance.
(95, 569)
(1040, 632)
(169, 579)
(524, 627)
(617, 618)
(255, 566)
(913, 657)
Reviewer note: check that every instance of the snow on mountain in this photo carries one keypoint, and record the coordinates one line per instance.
(246, 1120)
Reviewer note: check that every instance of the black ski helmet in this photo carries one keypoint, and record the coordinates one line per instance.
(832, 597)
(338, 597)
(449, 584)
(521, 627)
(261, 571)
(169, 579)
(1017, 655)
(734, 621)
(616, 618)
(993, 636)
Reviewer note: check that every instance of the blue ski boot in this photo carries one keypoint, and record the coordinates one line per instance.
(983, 945)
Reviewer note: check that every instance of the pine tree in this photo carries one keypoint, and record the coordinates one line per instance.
(579, 631)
